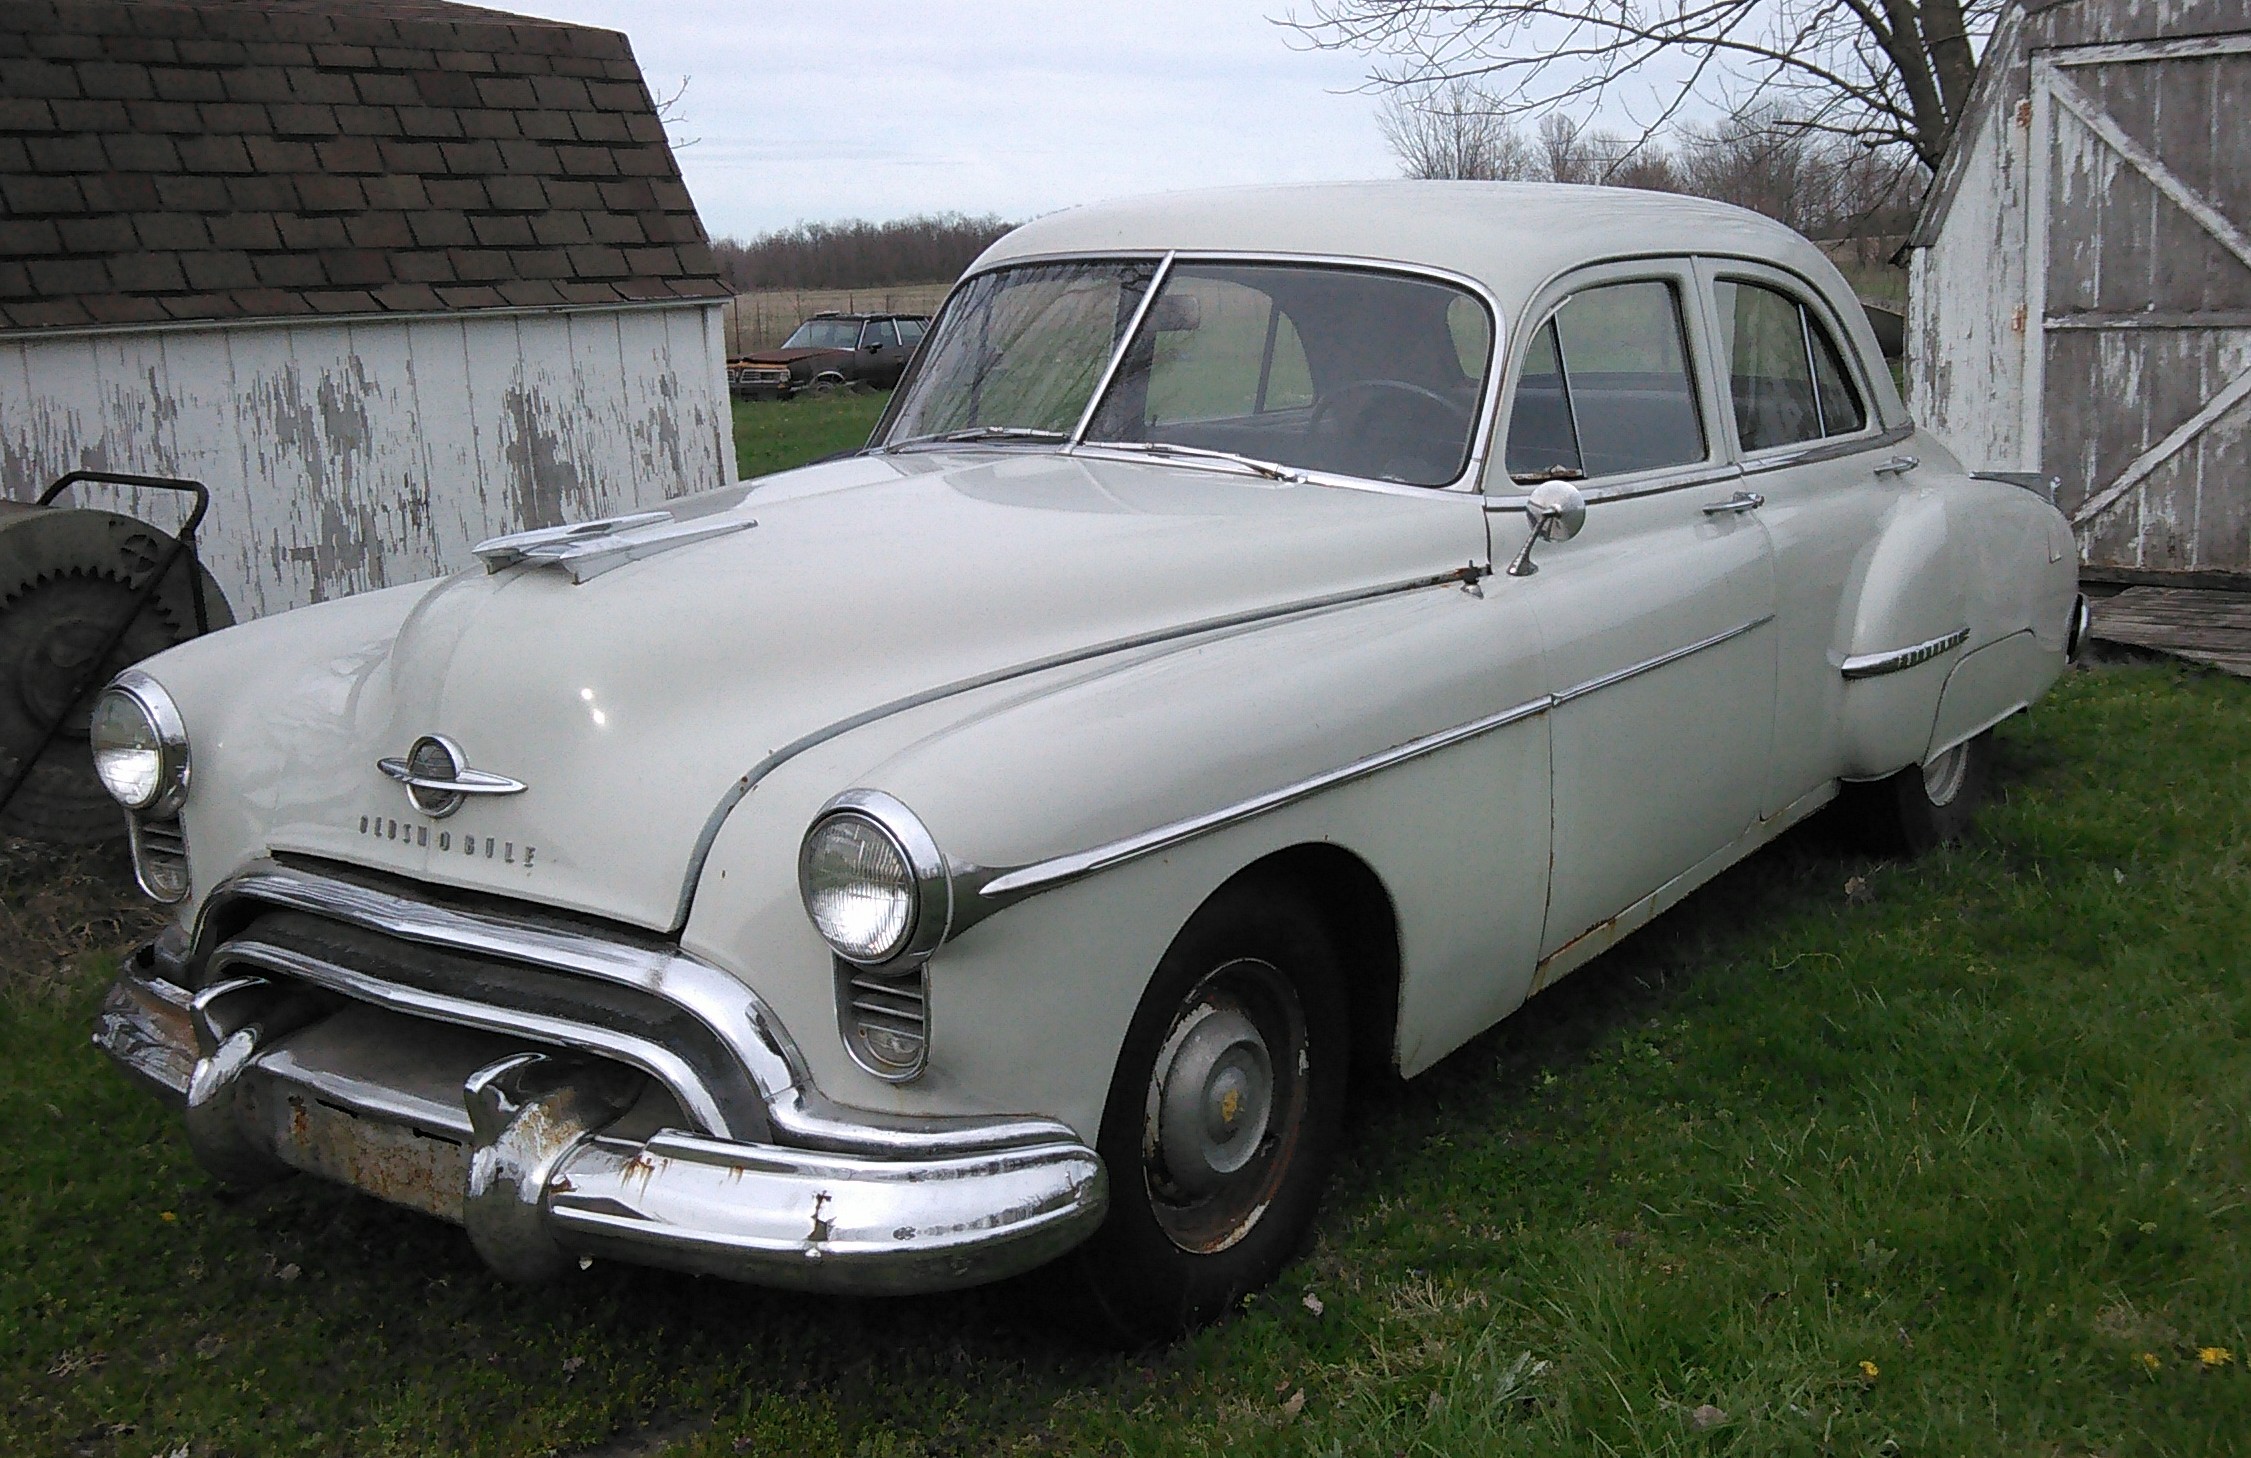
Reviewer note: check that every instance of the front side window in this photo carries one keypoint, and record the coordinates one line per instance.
(1605, 389)
(880, 333)
(1786, 380)
(824, 334)
(1345, 371)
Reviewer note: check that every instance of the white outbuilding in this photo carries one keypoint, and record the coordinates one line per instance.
(388, 276)
(2080, 294)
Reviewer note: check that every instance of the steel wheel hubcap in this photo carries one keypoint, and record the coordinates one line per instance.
(1943, 776)
(1225, 1105)
(1214, 1096)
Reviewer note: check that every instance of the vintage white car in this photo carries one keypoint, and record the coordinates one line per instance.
(1271, 635)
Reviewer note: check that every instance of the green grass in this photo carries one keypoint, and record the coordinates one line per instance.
(774, 435)
(1980, 1125)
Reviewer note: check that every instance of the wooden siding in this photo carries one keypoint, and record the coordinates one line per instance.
(348, 456)
(2081, 294)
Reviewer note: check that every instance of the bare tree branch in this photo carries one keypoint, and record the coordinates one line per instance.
(1888, 72)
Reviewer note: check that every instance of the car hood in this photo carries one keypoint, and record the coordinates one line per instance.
(789, 356)
(630, 704)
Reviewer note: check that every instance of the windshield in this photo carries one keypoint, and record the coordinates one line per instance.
(1021, 349)
(825, 334)
(1348, 371)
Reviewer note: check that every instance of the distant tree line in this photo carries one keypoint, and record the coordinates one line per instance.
(1762, 158)
(858, 254)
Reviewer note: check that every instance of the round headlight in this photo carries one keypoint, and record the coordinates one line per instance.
(870, 874)
(140, 748)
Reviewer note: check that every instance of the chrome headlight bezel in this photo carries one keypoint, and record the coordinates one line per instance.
(168, 729)
(928, 885)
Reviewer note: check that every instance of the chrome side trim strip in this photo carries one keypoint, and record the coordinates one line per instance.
(1466, 576)
(1046, 875)
(1870, 665)
(1004, 888)
(1618, 676)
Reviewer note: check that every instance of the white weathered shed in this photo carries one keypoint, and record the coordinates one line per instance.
(389, 276)
(2080, 288)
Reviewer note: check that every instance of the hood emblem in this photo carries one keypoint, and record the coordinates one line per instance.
(438, 778)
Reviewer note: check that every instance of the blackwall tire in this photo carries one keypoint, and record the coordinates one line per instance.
(1202, 1209)
(1923, 806)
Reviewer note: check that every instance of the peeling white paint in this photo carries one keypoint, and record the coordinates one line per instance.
(346, 456)
(2080, 296)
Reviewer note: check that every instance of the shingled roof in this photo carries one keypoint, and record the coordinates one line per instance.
(168, 160)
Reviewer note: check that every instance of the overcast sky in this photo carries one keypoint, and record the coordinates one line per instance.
(880, 109)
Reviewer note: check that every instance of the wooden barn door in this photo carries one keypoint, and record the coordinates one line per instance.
(2139, 374)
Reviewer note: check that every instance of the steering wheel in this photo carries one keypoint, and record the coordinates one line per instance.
(1411, 434)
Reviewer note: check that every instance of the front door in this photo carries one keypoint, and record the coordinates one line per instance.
(1656, 621)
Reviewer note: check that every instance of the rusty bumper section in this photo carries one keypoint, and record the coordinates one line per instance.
(546, 1155)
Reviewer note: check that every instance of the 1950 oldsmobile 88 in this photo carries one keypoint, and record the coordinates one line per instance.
(1271, 635)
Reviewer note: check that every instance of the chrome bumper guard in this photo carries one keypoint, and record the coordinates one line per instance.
(548, 1154)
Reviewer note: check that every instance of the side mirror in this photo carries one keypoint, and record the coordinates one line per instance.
(872, 346)
(1557, 511)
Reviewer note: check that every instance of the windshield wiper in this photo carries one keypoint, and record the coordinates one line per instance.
(978, 433)
(1252, 464)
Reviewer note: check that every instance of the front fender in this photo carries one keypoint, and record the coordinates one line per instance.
(1029, 1006)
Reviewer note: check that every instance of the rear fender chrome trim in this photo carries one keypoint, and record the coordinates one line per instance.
(1001, 888)
(1872, 665)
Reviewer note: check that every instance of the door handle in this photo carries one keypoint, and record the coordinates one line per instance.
(1741, 501)
(1897, 466)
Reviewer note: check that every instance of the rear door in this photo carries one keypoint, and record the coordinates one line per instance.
(1825, 469)
(1657, 619)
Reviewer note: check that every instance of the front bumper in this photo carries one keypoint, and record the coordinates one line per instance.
(548, 1152)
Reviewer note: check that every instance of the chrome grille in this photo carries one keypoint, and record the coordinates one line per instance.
(885, 1019)
(160, 858)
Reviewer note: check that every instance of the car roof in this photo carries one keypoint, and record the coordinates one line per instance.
(1509, 236)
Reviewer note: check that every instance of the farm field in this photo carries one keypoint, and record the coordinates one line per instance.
(1839, 1156)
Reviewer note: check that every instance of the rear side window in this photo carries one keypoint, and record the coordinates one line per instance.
(1786, 380)
(910, 332)
(1605, 389)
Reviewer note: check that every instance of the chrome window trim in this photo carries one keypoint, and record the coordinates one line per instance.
(1780, 458)
(1001, 887)
(1812, 301)
(1465, 576)
(1872, 665)
(1473, 468)
(1119, 350)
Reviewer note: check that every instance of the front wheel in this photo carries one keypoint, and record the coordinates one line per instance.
(1222, 1118)
(1925, 805)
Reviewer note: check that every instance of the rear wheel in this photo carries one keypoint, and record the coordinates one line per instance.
(1221, 1122)
(1925, 805)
